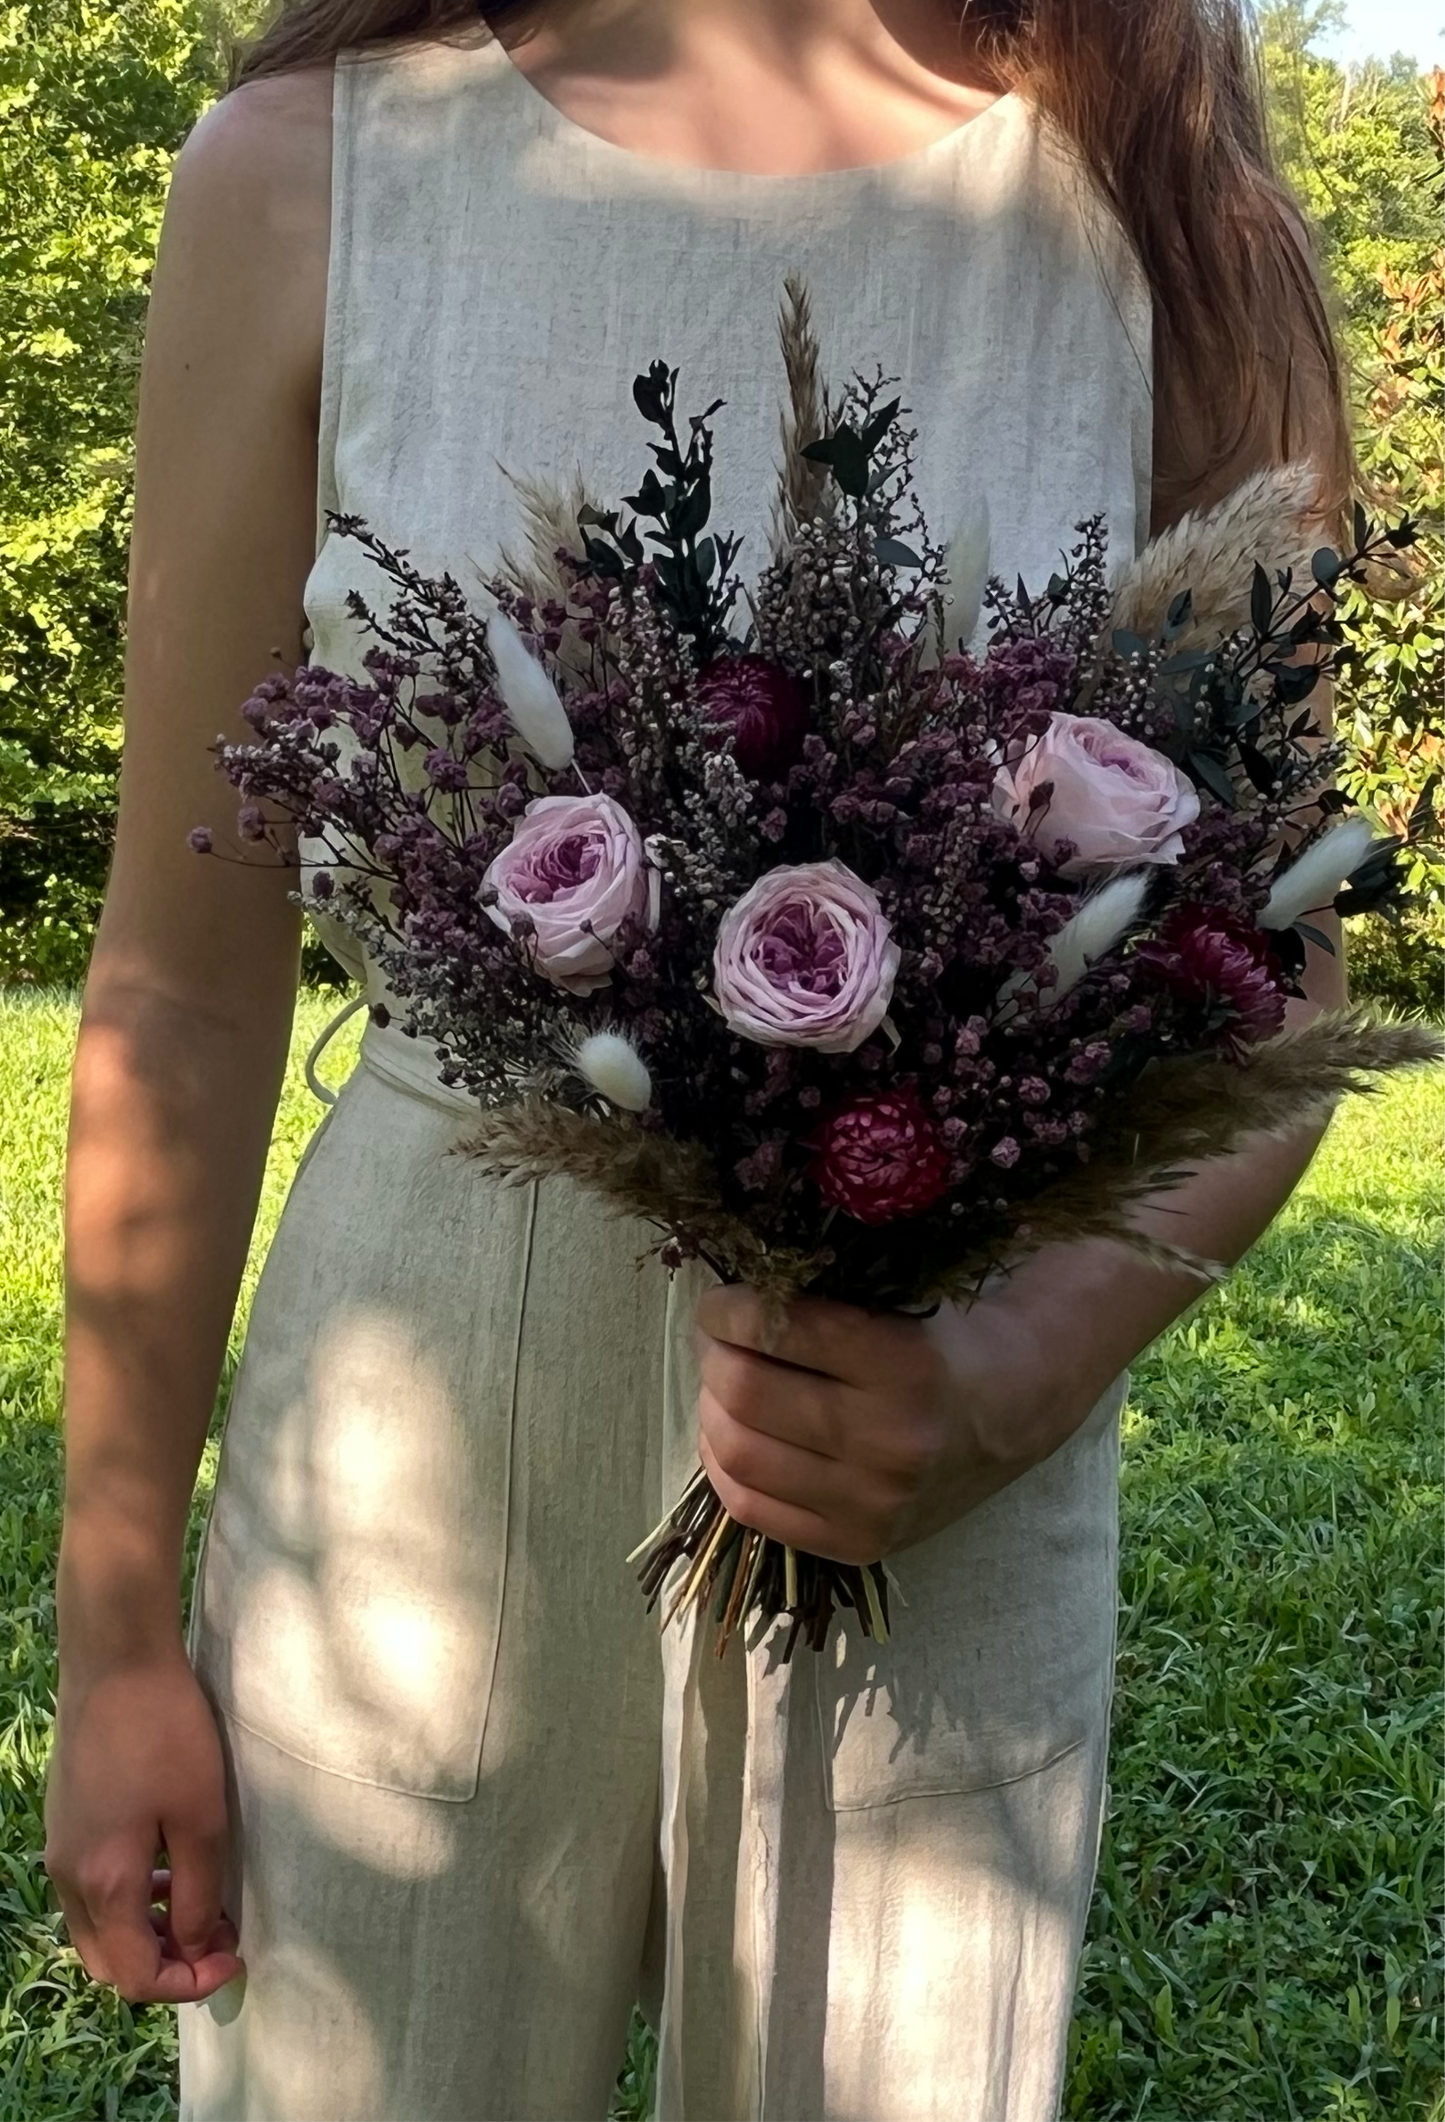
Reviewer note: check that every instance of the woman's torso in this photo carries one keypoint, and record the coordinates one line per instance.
(498, 276)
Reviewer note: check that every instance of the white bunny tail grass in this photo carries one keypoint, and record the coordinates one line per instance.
(615, 1069)
(1099, 926)
(1102, 922)
(967, 569)
(1272, 517)
(529, 696)
(1310, 883)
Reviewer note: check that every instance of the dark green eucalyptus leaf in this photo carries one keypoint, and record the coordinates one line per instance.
(1177, 742)
(892, 552)
(1261, 601)
(1057, 589)
(1326, 566)
(1214, 775)
(1241, 710)
(1294, 682)
(850, 464)
(1184, 659)
(604, 558)
(706, 559)
(879, 425)
(1259, 768)
(691, 512)
(651, 393)
(1314, 935)
(1181, 610)
(1289, 947)
(1129, 647)
(1374, 888)
(652, 497)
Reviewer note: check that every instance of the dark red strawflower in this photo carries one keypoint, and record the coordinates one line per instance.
(762, 707)
(880, 1158)
(1213, 959)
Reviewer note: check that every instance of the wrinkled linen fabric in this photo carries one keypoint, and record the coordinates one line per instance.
(477, 1808)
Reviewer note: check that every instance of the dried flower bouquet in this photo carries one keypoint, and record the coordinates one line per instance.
(854, 960)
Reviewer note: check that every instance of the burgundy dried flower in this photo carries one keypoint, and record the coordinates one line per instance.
(762, 707)
(1210, 958)
(880, 1157)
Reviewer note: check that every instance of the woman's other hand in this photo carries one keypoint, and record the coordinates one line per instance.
(137, 1772)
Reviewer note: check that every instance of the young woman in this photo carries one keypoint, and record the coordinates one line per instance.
(421, 1762)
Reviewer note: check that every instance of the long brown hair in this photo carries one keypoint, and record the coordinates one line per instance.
(1163, 102)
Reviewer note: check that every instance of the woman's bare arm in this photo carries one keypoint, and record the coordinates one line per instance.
(185, 1023)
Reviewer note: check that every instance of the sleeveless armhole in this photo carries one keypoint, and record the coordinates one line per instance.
(338, 286)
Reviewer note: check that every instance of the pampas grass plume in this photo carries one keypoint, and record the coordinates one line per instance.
(1272, 517)
(1311, 883)
(529, 696)
(613, 1066)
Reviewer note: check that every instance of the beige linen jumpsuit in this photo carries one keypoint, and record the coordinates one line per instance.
(477, 1808)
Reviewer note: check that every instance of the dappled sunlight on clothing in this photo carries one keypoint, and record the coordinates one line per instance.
(360, 1555)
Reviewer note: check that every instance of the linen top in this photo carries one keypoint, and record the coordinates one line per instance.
(499, 275)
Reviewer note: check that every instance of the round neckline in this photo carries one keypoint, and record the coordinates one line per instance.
(659, 166)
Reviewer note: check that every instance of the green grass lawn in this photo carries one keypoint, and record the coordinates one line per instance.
(1264, 1945)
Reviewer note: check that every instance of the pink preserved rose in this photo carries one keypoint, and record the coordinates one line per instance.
(1114, 800)
(806, 958)
(575, 871)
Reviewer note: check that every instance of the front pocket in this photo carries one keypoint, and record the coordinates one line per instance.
(349, 1605)
(1000, 1660)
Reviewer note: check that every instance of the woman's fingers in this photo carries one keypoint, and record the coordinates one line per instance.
(756, 1460)
(119, 1920)
(107, 1910)
(813, 1333)
(138, 1767)
(803, 1529)
(795, 1496)
(796, 1406)
(196, 1853)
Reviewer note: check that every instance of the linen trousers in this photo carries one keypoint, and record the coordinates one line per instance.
(479, 1808)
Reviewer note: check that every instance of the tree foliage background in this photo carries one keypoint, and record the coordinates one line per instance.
(95, 99)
